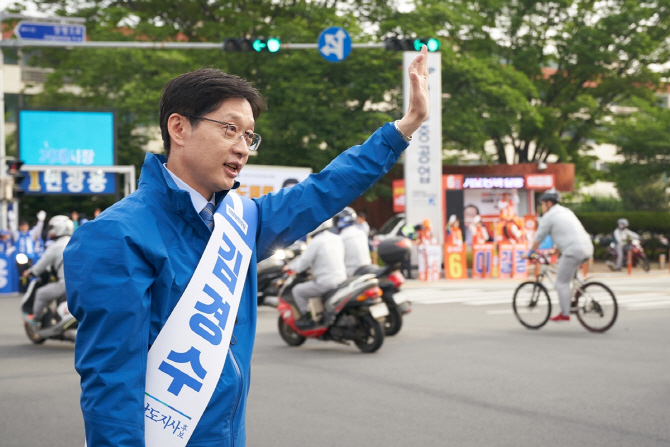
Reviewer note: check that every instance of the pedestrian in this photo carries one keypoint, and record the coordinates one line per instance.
(163, 283)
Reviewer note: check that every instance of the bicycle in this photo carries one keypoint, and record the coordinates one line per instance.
(593, 302)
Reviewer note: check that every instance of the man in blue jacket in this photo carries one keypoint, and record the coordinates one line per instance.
(127, 270)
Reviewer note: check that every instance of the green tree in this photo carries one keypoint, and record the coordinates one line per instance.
(539, 76)
(642, 134)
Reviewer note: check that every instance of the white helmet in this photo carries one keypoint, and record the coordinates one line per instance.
(60, 226)
(324, 226)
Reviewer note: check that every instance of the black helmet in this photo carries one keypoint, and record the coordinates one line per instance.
(551, 195)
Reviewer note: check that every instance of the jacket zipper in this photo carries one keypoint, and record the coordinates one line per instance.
(239, 395)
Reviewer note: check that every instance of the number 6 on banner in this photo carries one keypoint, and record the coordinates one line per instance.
(454, 262)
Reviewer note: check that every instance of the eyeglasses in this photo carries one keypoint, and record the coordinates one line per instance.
(235, 134)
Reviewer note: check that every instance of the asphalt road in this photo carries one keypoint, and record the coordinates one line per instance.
(461, 372)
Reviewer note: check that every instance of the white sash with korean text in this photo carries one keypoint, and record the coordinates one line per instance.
(186, 360)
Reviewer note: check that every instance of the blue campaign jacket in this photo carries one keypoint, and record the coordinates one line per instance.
(126, 270)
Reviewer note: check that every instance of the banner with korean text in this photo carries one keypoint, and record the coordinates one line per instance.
(512, 260)
(455, 262)
(185, 362)
(482, 260)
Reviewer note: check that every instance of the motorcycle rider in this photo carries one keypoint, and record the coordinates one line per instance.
(621, 236)
(356, 250)
(570, 238)
(324, 255)
(60, 229)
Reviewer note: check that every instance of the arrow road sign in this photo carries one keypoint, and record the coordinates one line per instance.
(334, 44)
(55, 32)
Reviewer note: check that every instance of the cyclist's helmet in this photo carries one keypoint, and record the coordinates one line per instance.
(551, 195)
(345, 218)
(623, 223)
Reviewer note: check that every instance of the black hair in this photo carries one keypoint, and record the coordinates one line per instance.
(201, 92)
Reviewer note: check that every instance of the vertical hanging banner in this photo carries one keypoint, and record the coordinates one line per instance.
(423, 157)
(482, 260)
(455, 263)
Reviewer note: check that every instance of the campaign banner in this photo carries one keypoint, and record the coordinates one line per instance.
(429, 262)
(259, 180)
(9, 280)
(520, 268)
(482, 260)
(505, 260)
(64, 181)
(455, 262)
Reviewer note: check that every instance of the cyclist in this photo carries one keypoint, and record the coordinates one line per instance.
(621, 236)
(570, 238)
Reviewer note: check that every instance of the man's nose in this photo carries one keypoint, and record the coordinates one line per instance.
(241, 147)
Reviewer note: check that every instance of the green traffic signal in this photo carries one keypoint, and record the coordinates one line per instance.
(258, 44)
(273, 44)
(432, 44)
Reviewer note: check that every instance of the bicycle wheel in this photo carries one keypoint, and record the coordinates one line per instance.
(531, 304)
(596, 306)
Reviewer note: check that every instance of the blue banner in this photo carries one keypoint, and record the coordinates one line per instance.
(69, 182)
(9, 280)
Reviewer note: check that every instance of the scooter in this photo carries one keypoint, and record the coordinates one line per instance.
(351, 312)
(639, 257)
(57, 323)
(392, 252)
(270, 274)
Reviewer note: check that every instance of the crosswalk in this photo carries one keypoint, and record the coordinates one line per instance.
(630, 298)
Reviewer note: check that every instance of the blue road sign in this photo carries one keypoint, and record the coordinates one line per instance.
(55, 32)
(334, 44)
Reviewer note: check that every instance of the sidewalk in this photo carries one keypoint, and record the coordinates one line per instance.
(597, 270)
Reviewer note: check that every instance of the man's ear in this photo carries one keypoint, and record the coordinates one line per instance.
(178, 127)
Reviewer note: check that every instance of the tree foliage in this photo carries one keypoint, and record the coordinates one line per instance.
(539, 76)
(523, 80)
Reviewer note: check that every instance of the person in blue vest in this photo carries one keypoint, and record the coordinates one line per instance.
(28, 241)
(127, 270)
(25, 237)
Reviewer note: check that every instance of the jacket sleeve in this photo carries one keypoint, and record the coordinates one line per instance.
(108, 279)
(290, 213)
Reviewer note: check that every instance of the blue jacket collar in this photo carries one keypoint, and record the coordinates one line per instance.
(156, 179)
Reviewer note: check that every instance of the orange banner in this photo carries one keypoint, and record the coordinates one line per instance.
(512, 262)
(455, 263)
(482, 260)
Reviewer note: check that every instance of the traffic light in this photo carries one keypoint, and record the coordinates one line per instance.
(13, 190)
(411, 44)
(257, 44)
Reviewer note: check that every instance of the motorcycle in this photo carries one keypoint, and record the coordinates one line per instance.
(392, 252)
(639, 257)
(57, 323)
(351, 312)
(270, 274)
